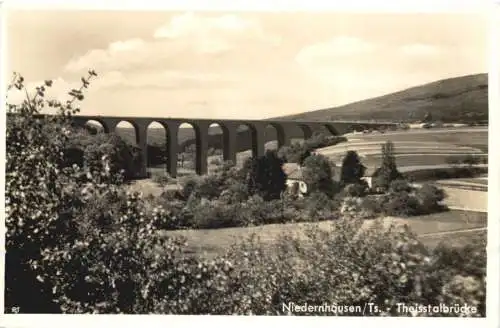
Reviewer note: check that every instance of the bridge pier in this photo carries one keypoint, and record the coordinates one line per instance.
(258, 141)
(202, 149)
(142, 143)
(172, 146)
(230, 144)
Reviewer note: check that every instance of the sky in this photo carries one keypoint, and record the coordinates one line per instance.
(238, 65)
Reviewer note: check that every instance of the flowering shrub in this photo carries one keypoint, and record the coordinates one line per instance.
(122, 157)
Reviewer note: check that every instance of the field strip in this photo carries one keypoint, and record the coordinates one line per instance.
(412, 151)
(452, 232)
(459, 183)
(467, 209)
(360, 142)
(429, 131)
(406, 148)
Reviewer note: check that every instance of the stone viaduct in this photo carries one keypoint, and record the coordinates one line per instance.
(285, 131)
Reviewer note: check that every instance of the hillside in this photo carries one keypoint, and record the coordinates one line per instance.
(459, 99)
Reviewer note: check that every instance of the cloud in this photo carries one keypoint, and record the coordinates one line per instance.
(192, 25)
(338, 47)
(182, 43)
(420, 50)
(163, 80)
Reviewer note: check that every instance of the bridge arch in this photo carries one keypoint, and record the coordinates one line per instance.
(129, 130)
(189, 143)
(331, 129)
(248, 139)
(217, 135)
(306, 130)
(96, 125)
(275, 136)
(157, 140)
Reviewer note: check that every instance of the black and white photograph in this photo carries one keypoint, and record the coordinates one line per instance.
(250, 163)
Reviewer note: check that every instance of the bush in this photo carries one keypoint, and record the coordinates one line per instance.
(430, 198)
(356, 189)
(398, 186)
(371, 206)
(471, 160)
(320, 207)
(442, 174)
(402, 204)
(452, 160)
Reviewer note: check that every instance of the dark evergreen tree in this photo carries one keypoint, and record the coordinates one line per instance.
(265, 176)
(352, 168)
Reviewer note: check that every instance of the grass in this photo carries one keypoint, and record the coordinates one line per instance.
(213, 242)
(453, 240)
(445, 221)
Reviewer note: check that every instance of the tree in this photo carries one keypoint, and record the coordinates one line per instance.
(352, 169)
(265, 176)
(317, 174)
(123, 157)
(296, 153)
(430, 198)
(388, 171)
(38, 192)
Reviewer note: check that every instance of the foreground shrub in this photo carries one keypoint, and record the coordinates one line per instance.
(383, 265)
(38, 193)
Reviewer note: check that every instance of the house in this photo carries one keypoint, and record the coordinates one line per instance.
(368, 176)
(295, 182)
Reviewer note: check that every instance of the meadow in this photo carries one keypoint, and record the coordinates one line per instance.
(212, 242)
